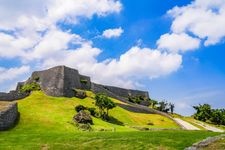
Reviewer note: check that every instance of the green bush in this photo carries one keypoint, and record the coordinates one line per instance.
(84, 127)
(135, 99)
(80, 93)
(36, 78)
(92, 111)
(27, 88)
(83, 81)
(78, 108)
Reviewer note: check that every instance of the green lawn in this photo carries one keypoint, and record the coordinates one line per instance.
(102, 140)
(45, 123)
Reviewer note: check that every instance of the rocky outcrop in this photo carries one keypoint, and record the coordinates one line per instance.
(8, 115)
(83, 117)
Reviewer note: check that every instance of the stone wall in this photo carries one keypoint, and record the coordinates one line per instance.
(60, 81)
(85, 82)
(8, 115)
(116, 92)
(12, 95)
(51, 81)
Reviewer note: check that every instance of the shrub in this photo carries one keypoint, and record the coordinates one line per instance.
(36, 78)
(84, 127)
(27, 88)
(78, 108)
(92, 111)
(80, 93)
(83, 81)
(130, 99)
(136, 99)
(83, 117)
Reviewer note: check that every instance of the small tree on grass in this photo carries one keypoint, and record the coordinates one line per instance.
(171, 107)
(104, 104)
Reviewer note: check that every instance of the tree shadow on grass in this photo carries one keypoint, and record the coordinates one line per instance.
(113, 120)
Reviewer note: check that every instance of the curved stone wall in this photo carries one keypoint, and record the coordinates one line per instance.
(8, 115)
(12, 95)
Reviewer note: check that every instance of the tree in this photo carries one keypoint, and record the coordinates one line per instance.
(104, 104)
(171, 107)
(217, 116)
(109, 104)
(163, 106)
(203, 113)
(153, 103)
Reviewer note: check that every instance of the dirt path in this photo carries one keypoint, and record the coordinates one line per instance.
(208, 127)
(186, 125)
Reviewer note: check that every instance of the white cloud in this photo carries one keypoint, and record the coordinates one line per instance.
(203, 18)
(112, 33)
(136, 63)
(178, 42)
(28, 31)
(40, 14)
(12, 73)
(70, 10)
(35, 39)
(15, 45)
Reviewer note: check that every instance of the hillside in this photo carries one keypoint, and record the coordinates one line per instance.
(39, 111)
(45, 123)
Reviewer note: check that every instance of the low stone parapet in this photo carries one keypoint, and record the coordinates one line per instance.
(12, 95)
(8, 115)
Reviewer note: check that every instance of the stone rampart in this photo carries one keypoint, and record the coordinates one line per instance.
(116, 91)
(61, 81)
(8, 115)
(12, 95)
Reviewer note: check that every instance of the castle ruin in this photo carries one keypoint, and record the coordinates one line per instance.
(61, 81)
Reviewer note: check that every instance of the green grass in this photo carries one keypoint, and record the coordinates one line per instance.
(45, 123)
(102, 140)
(39, 111)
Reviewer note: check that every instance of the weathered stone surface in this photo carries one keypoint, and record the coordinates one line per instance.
(8, 115)
(62, 80)
(83, 117)
(12, 95)
(204, 143)
(116, 91)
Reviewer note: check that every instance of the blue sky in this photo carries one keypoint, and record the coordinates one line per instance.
(173, 49)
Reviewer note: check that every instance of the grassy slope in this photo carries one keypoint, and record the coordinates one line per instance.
(45, 123)
(39, 110)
